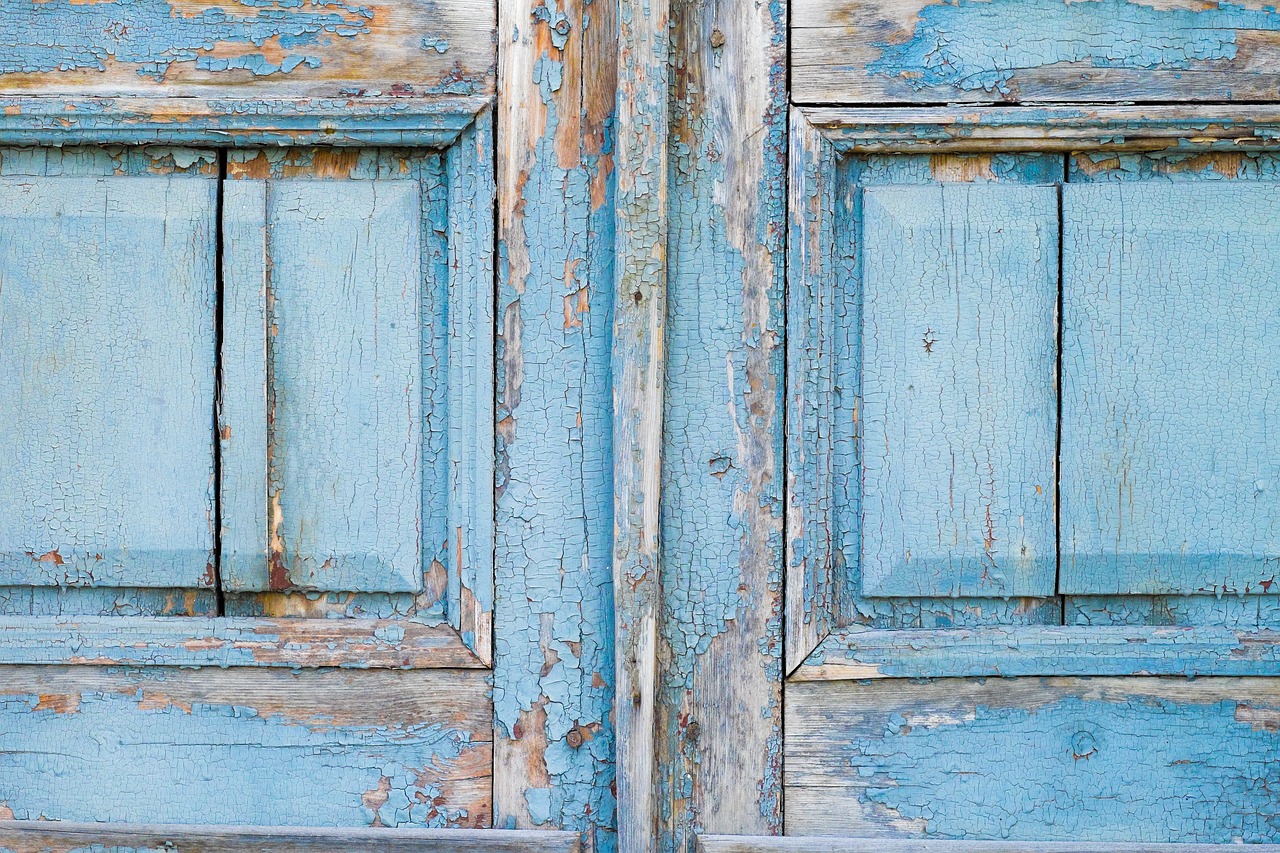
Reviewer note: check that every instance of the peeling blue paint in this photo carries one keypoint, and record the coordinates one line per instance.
(154, 36)
(983, 45)
(1145, 769)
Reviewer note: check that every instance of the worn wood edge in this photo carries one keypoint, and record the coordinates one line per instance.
(233, 642)
(1053, 650)
(796, 844)
(811, 291)
(1048, 128)
(429, 122)
(31, 836)
(471, 385)
(639, 356)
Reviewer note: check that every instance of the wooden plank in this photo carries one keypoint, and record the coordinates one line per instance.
(127, 640)
(639, 379)
(106, 321)
(814, 558)
(344, 373)
(959, 412)
(65, 837)
(471, 372)
(1149, 760)
(211, 49)
(554, 619)
(817, 844)
(106, 601)
(1042, 650)
(922, 51)
(722, 541)
(1167, 312)
(263, 746)
(1191, 127)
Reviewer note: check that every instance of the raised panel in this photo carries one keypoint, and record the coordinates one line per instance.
(342, 380)
(107, 295)
(1169, 438)
(958, 404)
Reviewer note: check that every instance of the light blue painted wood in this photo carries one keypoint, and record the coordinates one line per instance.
(242, 404)
(344, 377)
(1170, 452)
(958, 363)
(470, 381)
(106, 332)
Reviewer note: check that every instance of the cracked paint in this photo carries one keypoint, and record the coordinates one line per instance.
(554, 670)
(973, 45)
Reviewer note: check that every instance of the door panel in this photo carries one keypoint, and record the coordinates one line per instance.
(1169, 440)
(959, 294)
(107, 295)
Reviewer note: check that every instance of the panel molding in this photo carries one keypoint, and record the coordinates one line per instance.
(820, 137)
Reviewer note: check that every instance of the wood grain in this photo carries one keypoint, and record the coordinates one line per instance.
(818, 844)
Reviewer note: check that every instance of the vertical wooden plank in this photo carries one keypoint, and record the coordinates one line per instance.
(640, 305)
(344, 365)
(721, 521)
(1169, 440)
(242, 405)
(471, 373)
(959, 353)
(106, 398)
(553, 677)
(812, 589)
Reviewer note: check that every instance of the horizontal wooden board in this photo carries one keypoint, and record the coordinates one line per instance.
(232, 642)
(1052, 759)
(1042, 650)
(64, 837)
(246, 746)
(222, 48)
(922, 51)
(819, 844)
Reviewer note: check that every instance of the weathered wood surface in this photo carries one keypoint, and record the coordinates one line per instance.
(216, 48)
(639, 362)
(107, 334)
(719, 717)
(1168, 446)
(1042, 650)
(1066, 759)
(246, 746)
(994, 129)
(922, 51)
(554, 668)
(63, 837)
(818, 844)
(958, 358)
(108, 639)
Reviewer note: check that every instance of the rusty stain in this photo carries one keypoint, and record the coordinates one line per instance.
(53, 557)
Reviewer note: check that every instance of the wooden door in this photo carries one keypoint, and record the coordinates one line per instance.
(966, 528)
(253, 464)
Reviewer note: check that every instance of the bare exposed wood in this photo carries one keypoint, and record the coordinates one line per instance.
(818, 844)
(58, 837)
(639, 360)
(231, 642)
(1042, 650)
